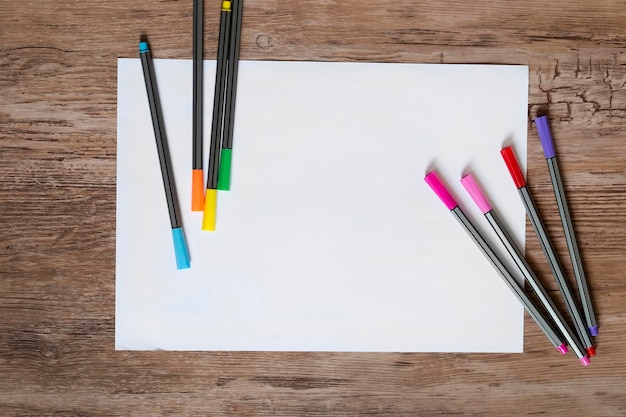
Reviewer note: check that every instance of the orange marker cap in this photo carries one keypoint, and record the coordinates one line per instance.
(197, 190)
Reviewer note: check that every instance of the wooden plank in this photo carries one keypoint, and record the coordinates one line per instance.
(57, 208)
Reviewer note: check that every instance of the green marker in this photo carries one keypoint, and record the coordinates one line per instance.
(223, 178)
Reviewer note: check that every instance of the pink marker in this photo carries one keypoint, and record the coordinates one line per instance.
(442, 192)
(479, 198)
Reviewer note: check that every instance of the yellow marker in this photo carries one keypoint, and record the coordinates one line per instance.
(210, 208)
(210, 198)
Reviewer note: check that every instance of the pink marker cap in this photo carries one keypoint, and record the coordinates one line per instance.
(563, 349)
(585, 361)
(442, 192)
(472, 188)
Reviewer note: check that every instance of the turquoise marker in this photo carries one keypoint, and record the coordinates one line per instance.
(180, 245)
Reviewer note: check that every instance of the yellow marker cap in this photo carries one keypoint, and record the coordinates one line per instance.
(226, 6)
(210, 206)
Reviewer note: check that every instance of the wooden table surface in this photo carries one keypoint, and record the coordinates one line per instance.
(57, 208)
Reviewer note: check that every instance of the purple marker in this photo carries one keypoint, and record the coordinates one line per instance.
(437, 186)
(545, 136)
(479, 198)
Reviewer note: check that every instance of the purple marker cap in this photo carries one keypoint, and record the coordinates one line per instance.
(563, 349)
(593, 330)
(473, 189)
(545, 136)
(435, 183)
(585, 361)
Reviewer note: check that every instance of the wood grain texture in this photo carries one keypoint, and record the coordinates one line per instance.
(57, 208)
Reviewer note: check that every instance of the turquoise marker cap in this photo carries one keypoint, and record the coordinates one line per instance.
(143, 47)
(180, 248)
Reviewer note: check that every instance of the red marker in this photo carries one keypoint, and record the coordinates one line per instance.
(544, 240)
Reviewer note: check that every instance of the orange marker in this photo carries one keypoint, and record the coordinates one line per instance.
(197, 186)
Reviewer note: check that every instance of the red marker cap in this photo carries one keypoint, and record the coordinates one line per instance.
(511, 163)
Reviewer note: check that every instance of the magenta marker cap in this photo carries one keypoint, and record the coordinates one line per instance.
(545, 136)
(563, 349)
(474, 191)
(442, 192)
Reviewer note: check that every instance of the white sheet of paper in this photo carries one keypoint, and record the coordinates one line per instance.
(329, 240)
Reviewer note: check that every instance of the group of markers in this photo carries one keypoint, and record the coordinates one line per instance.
(220, 153)
(218, 178)
(580, 339)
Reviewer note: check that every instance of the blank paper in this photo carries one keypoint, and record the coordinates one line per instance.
(329, 239)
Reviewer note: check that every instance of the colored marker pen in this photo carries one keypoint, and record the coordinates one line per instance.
(210, 196)
(197, 172)
(479, 198)
(437, 186)
(545, 136)
(223, 179)
(180, 245)
(546, 245)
